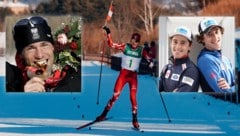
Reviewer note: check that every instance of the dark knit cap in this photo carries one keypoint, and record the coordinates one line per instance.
(31, 30)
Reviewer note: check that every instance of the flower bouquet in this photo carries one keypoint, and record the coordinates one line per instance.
(68, 45)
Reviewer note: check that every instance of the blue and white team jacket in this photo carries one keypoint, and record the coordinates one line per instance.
(212, 66)
(181, 76)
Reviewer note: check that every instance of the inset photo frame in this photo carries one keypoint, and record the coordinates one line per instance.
(43, 53)
(226, 41)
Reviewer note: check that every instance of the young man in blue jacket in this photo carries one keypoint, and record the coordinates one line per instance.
(217, 73)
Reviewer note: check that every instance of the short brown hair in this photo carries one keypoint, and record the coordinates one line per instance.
(200, 36)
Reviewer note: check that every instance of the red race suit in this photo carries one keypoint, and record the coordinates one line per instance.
(131, 59)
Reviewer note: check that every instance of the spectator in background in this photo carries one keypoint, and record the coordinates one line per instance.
(182, 74)
(152, 53)
(152, 50)
(146, 47)
(144, 64)
(217, 73)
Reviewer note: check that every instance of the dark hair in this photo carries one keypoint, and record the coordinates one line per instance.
(200, 36)
(136, 36)
(152, 44)
(31, 30)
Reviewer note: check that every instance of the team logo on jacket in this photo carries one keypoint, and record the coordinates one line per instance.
(167, 74)
(175, 77)
(213, 75)
(188, 80)
(184, 66)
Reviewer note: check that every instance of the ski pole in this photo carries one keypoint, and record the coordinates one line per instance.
(164, 105)
(100, 75)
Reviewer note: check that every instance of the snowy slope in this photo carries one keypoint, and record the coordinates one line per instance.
(59, 113)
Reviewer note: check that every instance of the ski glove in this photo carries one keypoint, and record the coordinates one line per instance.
(107, 29)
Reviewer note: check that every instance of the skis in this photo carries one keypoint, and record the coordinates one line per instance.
(138, 129)
(96, 121)
(91, 123)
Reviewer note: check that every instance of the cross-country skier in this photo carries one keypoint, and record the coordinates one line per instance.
(132, 54)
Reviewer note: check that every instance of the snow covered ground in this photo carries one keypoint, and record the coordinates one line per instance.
(58, 114)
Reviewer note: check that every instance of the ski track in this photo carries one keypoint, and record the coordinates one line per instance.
(67, 127)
